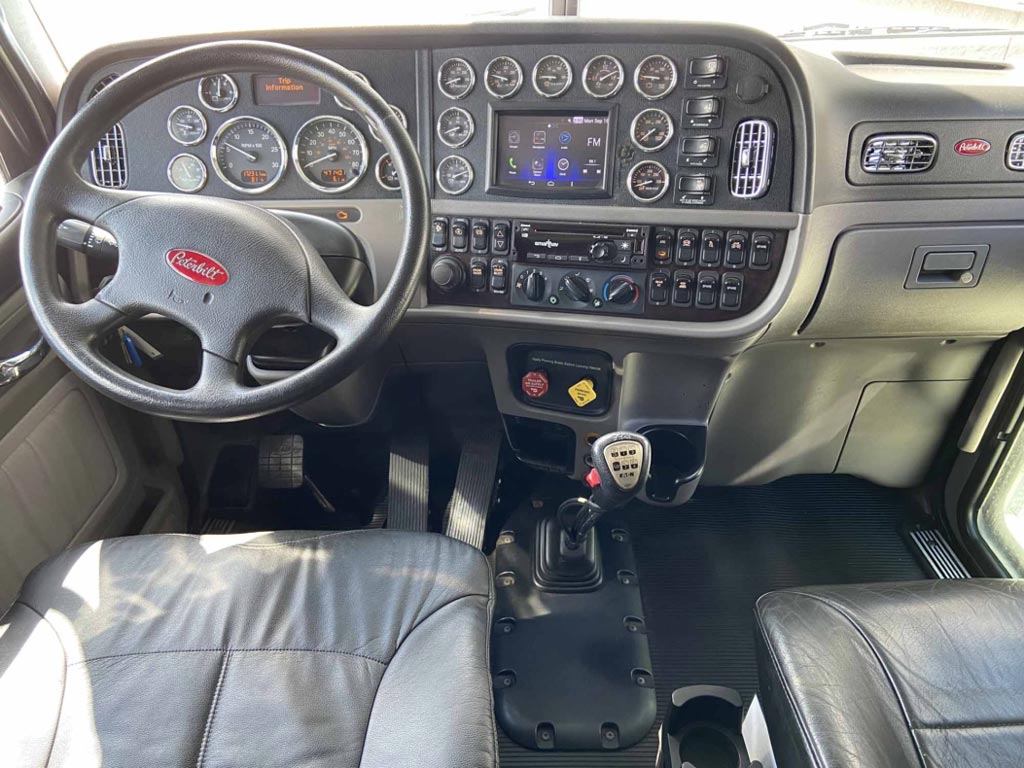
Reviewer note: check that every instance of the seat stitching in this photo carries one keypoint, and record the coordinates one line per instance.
(64, 684)
(878, 657)
(229, 650)
(487, 659)
(797, 712)
(213, 711)
(969, 726)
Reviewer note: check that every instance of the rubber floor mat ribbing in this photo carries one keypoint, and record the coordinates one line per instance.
(704, 565)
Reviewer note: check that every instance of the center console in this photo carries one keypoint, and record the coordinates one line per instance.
(687, 272)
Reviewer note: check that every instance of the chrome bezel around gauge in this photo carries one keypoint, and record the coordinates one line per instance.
(380, 179)
(469, 134)
(366, 81)
(215, 142)
(536, 69)
(472, 78)
(202, 165)
(440, 184)
(664, 189)
(668, 136)
(519, 76)
(205, 103)
(193, 110)
(302, 172)
(398, 113)
(672, 85)
(618, 87)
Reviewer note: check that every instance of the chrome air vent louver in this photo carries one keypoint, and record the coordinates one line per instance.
(109, 159)
(752, 153)
(899, 153)
(1015, 152)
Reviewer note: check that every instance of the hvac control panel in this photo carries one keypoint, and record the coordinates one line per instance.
(690, 273)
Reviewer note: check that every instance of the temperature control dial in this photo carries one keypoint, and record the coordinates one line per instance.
(621, 289)
(575, 287)
(531, 285)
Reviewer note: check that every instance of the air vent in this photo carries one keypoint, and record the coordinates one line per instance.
(1015, 152)
(899, 153)
(109, 159)
(752, 153)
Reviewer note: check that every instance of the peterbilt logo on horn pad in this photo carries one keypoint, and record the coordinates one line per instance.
(197, 267)
(971, 147)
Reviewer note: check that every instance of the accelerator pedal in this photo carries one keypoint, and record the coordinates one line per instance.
(280, 461)
(408, 482)
(466, 516)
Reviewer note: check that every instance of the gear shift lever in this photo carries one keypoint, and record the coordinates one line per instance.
(622, 462)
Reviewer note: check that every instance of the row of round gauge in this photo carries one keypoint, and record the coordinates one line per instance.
(603, 76)
(650, 131)
(249, 155)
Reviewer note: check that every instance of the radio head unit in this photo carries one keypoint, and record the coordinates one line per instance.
(613, 245)
(551, 153)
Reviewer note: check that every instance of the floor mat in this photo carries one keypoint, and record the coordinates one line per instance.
(703, 566)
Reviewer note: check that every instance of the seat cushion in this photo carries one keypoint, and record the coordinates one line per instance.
(286, 649)
(910, 674)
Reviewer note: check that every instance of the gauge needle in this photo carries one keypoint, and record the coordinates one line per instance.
(609, 73)
(250, 157)
(648, 134)
(459, 175)
(453, 81)
(328, 156)
(503, 79)
(185, 126)
(455, 129)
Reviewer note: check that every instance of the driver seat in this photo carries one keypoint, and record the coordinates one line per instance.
(365, 648)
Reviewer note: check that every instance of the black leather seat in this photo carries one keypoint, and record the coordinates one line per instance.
(895, 675)
(291, 649)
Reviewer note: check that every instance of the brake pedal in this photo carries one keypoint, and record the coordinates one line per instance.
(280, 462)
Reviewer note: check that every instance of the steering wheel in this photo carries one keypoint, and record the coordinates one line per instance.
(227, 270)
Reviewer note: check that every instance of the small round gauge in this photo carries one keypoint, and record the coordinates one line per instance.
(454, 175)
(330, 153)
(651, 130)
(186, 172)
(603, 76)
(504, 77)
(456, 78)
(648, 181)
(186, 125)
(386, 174)
(655, 77)
(401, 118)
(552, 76)
(455, 127)
(218, 92)
(359, 76)
(248, 154)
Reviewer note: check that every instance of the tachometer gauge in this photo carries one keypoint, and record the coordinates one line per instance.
(655, 77)
(455, 127)
(186, 125)
(552, 76)
(401, 118)
(504, 77)
(359, 76)
(648, 181)
(218, 92)
(329, 153)
(386, 174)
(454, 175)
(186, 172)
(651, 130)
(603, 76)
(456, 78)
(248, 155)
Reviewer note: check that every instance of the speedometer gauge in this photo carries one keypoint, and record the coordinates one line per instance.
(329, 153)
(248, 155)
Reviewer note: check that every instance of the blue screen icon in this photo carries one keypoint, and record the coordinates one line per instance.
(564, 137)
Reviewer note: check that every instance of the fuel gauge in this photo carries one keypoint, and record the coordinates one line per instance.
(187, 173)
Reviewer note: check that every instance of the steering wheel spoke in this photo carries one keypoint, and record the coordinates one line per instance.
(87, 202)
(87, 322)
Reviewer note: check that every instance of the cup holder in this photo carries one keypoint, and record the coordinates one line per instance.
(703, 729)
(677, 462)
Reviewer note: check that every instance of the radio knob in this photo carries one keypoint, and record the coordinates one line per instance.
(531, 285)
(448, 274)
(575, 288)
(621, 290)
(602, 251)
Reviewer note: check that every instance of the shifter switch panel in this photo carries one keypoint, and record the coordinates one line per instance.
(625, 458)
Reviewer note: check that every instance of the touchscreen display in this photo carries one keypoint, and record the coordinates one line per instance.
(280, 91)
(551, 152)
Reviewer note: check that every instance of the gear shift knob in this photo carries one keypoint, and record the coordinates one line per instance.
(622, 462)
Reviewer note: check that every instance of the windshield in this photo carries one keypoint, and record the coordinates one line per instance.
(925, 27)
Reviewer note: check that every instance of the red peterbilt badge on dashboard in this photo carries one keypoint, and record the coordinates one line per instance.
(972, 147)
(197, 267)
